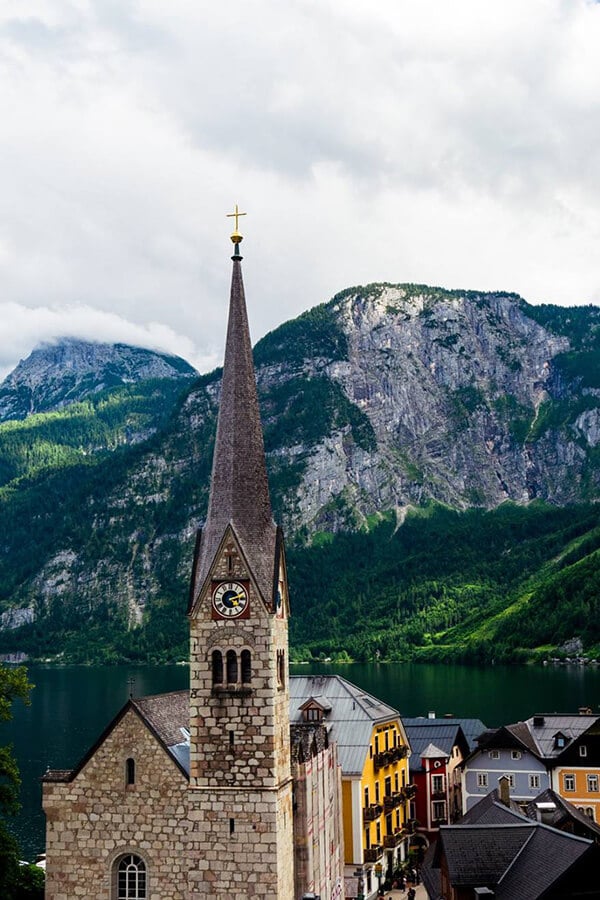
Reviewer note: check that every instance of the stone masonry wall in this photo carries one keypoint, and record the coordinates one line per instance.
(95, 819)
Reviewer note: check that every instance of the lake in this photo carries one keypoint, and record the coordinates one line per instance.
(71, 706)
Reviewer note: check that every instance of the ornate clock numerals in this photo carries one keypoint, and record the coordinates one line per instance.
(230, 599)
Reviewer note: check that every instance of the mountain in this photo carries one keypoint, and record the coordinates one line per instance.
(55, 375)
(471, 420)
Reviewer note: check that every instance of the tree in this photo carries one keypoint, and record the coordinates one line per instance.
(16, 882)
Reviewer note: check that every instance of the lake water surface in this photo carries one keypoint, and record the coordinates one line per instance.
(71, 706)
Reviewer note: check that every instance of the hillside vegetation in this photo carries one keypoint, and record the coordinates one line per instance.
(433, 455)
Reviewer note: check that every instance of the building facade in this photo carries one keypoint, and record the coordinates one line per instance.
(373, 753)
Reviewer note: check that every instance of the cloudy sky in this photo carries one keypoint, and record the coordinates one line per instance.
(449, 142)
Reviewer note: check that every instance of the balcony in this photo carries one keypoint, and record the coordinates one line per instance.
(381, 760)
(409, 791)
(400, 752)
(411, 825)
(372, 812)
(393, 840)
(391, 801)
(387, 757)
(372, 854)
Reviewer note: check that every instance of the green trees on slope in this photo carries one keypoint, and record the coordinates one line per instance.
(17, 882)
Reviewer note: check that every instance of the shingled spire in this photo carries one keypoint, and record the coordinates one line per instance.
(239, 493)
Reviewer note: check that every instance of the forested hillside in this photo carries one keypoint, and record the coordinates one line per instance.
(433, 456)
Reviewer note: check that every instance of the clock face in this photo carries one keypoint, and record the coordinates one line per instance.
(230, 599)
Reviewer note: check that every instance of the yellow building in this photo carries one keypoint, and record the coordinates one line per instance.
(373, 753)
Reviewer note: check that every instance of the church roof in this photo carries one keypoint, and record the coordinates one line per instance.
(239, 494)
(350, 718)
(167, 717)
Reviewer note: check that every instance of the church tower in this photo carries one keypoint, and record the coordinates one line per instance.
(241, 819)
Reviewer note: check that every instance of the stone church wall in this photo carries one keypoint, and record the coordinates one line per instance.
(95, 819)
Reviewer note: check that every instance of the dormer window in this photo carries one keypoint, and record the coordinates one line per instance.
(582, 750)
(560, 741)
(315, 711)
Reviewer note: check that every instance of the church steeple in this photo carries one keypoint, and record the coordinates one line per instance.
(239, 494)
(240, 759)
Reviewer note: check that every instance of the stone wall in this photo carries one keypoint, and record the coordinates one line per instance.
(96, 818)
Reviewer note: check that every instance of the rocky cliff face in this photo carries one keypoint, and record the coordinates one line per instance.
(466, 402)
(386, 397)
(55, 375)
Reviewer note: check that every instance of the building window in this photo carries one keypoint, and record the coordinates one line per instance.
(583, 750)
(482, 779)
(515, 754)
(494, 754)
(232, 668)
(439, 810)
(378, 832)
(511, 780)
(366, 797)
(396, 783)
(592, 784)
(280, 668)
(437, 784)
(569, 782)
(131, 878)
(534, 782)
(376, 792)
(217, 667)
(590, 812)
(246, 667)
(130, 772)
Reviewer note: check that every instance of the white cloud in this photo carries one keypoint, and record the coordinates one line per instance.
(447, 143)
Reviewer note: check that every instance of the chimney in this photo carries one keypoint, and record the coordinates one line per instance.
(585, 711)
(483, 892)
(538, 721)
(431, 714)
(504, 789)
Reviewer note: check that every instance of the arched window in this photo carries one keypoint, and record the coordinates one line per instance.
(131, 878)
(130, 771)
(217, 667)
(232, 668)
(246, 667)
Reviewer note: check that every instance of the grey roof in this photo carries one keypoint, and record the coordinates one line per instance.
(548, 855)
(442, 733)
(350, 721)
(491, 811)
(433, 752)
(521, 860)
(571, 726)
(481, 854)
(168, 715)
(438, 728)
(239, 492)
(563, 813)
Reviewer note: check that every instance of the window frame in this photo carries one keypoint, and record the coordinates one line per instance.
(592, 784)
(121, 883)
(570, 776)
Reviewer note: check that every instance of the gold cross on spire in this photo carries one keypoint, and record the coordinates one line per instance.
(236, 237)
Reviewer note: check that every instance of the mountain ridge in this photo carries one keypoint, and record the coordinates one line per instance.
(386, 399)
(69, 369)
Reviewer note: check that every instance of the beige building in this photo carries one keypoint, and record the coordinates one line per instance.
(198, 795)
